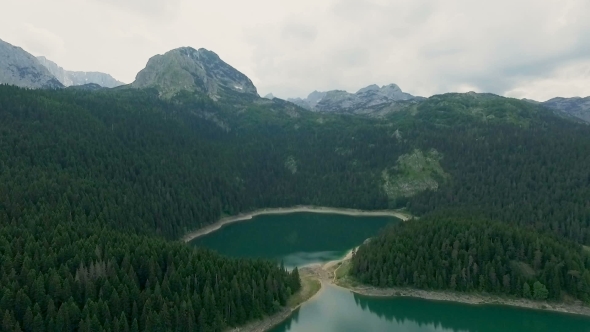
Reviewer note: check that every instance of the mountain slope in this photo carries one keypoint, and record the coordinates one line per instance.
(193, 70)
(73, 164)
(69, 78)
(577, 107)
(92, 181)
(370, 99)
(17, 67)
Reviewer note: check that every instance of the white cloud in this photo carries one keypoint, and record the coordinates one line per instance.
(290, 48)
(572, 80)
(37, 41)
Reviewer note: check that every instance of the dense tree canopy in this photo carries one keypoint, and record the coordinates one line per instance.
(462, 253)
(94, 181)
(86, 277)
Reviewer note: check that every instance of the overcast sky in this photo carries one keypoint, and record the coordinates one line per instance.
(519, 48)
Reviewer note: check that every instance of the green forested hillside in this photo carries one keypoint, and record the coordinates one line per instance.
(462, 253)
(137, 170)
(536, 175)
(77, 193)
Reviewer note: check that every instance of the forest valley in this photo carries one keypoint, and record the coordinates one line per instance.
(99, 186)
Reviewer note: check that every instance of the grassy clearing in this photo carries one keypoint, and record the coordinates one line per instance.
(342, 270)
(342, 276)
(414, 173)
(587, 249)
(309, 286)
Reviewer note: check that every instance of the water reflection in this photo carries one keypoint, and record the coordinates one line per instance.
(339, 310)
(298, 239)
(306, 258)
(463, 317)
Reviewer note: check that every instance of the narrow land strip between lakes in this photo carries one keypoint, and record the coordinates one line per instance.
(327, 274)
(295, 209)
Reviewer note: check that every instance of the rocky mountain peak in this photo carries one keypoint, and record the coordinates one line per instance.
(372, 87)
(365, 100)
(20, 68)
(186, 68)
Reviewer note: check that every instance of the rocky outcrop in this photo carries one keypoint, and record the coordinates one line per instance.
(367, 100)
(576, 107)
(17, 67)
(193, 70)
(70, 78)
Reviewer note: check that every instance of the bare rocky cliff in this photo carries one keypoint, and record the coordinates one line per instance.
(20, 68)
(189, 69)
(367, 100)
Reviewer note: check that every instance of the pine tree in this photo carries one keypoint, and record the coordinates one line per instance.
(526, 291)
(540, 292)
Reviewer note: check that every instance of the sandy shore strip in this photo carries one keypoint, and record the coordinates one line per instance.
(327, 273)
(468, 298)
(303, 208)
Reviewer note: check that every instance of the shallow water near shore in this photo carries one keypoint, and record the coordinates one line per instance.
(303, 238)
(337, 309)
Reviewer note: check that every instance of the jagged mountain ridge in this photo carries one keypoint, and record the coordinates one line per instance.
(70, 78)
(366, 100)
(186, 68)
(20, 68)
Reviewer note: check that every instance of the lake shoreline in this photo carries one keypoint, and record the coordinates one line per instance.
(326, 274)
(468, 298)
(465, 298)
(270, 322)
(295, 209)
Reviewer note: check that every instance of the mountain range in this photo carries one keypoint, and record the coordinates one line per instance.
(99, 185)
(17, 67)
(370, 99)
(69, 78)
(20, 68)
(203, 71)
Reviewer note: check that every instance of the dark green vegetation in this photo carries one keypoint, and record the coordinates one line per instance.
(74, 195)
(88, 278)
(126, 170)
(338, 310)
(466, 254)
(516, 164)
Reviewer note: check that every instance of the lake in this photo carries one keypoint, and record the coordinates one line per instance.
(298, 239)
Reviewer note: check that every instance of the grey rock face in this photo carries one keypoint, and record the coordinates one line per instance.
(17, 67)
(193, 70)
(69, 78)
(269, 96)
(366, 100)
(577, 107)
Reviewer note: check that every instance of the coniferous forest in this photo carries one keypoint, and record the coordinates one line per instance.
(463, 253)
(97, 186)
